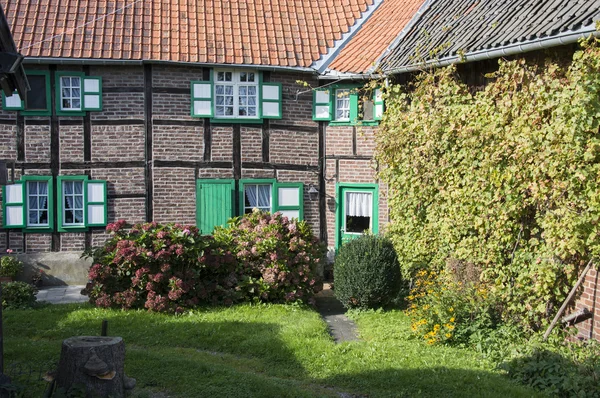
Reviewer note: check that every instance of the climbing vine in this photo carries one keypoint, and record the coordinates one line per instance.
(506, 178)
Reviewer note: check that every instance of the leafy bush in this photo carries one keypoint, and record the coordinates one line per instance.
(18, 295)
(366, 272)
(278, 258)
(504, 177)
(10, 266)
(168, 268)
(445, 310)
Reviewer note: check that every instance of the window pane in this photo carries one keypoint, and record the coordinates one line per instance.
(79, 202)
(78, 187)
(75, 92)
(242, 111)
(264, 196)
(251, 111)
(66, 92)
(69, 217)
(251, 77)
(243, 90)
(65, 81)
(43, 217)
(228, 111)
(252, 90)
(68, 187)
(242, 100)
(33, 217)
(76, 104)
(68, 202)
(220, 76)
(251, 100)
(43, 202)
(367, 110)
(79, 216)
(357, 224)
(220, 100)
(229, 90)
(33, 203)
(36, 98)
(228, 76)
(228, 100)
(66, 103)
(250, 194)
(243, 77)
(220, 111)
(32, 188)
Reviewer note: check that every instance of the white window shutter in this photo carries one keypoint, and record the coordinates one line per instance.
(272, 101)
(202, 99)
(289, 200)
(14, 214)
(92, 93)
(322, 106)
(13, 103)
(378, 107)
(96, 205)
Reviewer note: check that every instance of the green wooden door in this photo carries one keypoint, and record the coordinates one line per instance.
(214, 204)
(357, 211)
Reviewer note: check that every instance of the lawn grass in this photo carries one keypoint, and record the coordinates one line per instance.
(261, 351)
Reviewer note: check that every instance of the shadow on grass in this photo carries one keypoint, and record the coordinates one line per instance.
(191, 356)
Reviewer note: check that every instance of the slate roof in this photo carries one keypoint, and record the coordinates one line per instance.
(449, 28)
(287, 33)
(375, 35)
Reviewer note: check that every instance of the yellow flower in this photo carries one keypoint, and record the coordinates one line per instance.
(451, 309)
(452, 319)
(448, 335)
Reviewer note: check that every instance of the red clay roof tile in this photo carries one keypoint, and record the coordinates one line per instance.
(283, 32)
(375, 35)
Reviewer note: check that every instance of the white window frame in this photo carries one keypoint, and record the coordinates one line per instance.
(236, 83)
(342, 103)
(73, 195)
(264, 208)
(37, 196)
(345, 215)
(71, 98)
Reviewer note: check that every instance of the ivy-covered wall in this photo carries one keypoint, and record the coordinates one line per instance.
(506, 178)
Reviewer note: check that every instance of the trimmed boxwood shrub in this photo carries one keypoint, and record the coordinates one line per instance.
(366, 272)
(18, 295)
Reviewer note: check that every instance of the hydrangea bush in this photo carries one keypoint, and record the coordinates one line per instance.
(278, 259)
(168, 268)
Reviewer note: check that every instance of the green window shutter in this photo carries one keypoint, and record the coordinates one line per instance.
(13, 102)
(214, 204)
(13, 203)
(92, 93)
(271, 106)
(353, 106)
(377, 105)
(202, 99)
(288, 199)
(322, 106)
(96, 203)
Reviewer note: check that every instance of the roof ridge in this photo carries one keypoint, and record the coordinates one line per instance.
(322, 63)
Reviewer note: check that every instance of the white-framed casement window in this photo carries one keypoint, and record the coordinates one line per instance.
(257, 196)
(342, 105)
(236, 94)
(70, 93)
(77, 93)
(73, 203)
(37, 204)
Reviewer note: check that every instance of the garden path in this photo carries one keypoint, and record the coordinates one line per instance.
(61, 294)
(333, 312)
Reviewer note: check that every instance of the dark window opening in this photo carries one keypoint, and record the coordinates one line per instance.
(36, 97)
(357, 224)
(367, 109)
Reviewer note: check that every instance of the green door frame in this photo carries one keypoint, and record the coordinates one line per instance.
(341, 187)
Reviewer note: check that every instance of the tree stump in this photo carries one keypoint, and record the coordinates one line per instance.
(94, 363)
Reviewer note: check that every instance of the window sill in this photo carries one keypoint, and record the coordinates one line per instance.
(239, 121)
(37, 230)
(359, 123)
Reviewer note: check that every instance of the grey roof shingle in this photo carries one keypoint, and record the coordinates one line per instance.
(451, 28)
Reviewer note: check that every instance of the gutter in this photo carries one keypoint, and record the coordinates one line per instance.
(127, 62)
(564, 38)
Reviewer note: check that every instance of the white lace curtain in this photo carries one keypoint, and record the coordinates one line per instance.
(259, 195)
(359, 204)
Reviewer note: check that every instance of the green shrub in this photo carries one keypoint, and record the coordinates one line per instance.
(366, 272)
(10, 266)
(278, 258)
(18, 295)
(446, 310)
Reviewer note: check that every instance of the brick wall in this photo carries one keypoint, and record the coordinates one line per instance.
(590, 299)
